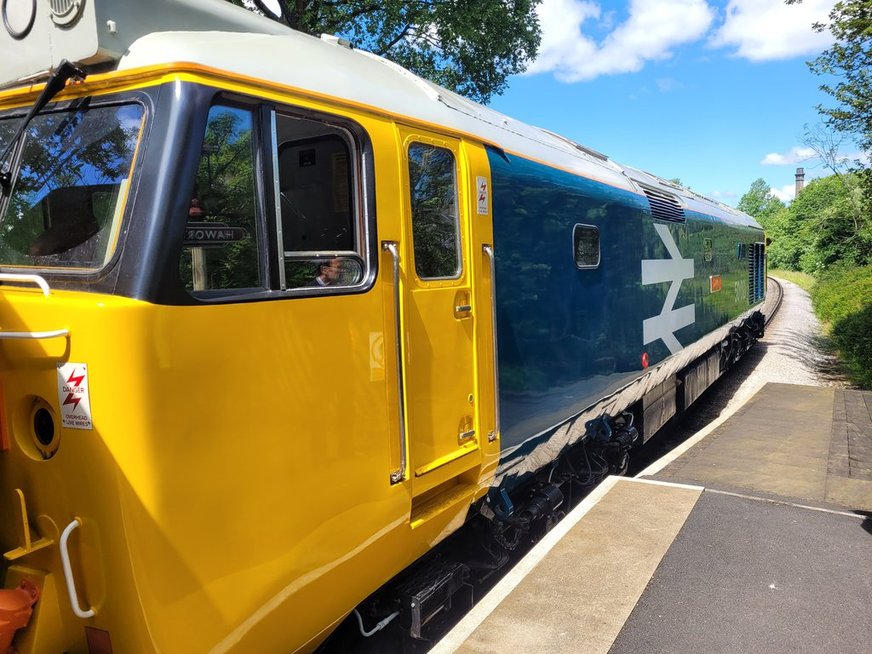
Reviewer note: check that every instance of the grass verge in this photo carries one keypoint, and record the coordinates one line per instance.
(801, 279)
(843, 299)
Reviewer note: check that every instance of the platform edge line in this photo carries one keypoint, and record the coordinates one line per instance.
(668, 484)
(770, 500)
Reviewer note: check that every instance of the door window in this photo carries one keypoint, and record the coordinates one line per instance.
(435, 220)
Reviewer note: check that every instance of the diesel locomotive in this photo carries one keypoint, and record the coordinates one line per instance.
(279, 319)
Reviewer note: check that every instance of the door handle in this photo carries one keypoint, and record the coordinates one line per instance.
(462, 304)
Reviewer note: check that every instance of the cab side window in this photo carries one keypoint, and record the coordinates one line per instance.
(222, 247)
(319, 223)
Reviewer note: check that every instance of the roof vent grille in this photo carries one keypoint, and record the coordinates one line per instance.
(664, 206)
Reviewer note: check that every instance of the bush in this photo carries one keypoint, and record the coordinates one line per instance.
(842, 291)
(852, 336)
(843, 298)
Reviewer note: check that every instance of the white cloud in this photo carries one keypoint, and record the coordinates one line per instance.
(762, 30)
(272, 5)
(650, 32)
(786, 193)
(795, 155)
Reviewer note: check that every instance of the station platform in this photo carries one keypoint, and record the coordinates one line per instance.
(754, 536)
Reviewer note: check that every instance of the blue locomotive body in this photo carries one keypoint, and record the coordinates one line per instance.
(598, 287)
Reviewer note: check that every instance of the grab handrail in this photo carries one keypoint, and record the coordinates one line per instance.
(68, 571)
(489, 253)
(34, 279)
(56, 333)
(391, 246)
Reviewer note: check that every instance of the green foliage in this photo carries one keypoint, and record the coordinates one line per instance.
(803, 280)
(759, 201)
(843, 298)
(849, 60)
(469, 46)
(825, 225)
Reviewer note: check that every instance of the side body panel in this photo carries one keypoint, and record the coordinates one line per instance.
(568, 336)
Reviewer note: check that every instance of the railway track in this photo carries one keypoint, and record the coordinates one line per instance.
(770, 314)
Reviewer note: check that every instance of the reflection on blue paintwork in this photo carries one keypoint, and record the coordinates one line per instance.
(568, 337)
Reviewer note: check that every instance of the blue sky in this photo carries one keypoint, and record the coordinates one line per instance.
(714, 93)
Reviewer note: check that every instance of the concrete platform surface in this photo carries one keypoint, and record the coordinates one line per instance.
(805, 443)
(605, 551)
(757, 538)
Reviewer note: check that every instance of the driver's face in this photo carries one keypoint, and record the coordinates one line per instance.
(332, 271)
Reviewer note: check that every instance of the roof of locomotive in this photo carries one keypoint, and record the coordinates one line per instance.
(330, 69)
(231, 39)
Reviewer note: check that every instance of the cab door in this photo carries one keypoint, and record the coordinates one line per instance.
(439, 318)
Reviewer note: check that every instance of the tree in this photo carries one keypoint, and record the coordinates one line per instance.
(824, 214)
(818, 230)
(469, 46)
(759, 202)
(827, 145)
(849, 61)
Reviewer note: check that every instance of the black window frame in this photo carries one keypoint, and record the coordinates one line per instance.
(599, 250)
(76, 277)
(266, 185)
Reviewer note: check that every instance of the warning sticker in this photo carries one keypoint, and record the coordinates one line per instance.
(715, 283)
(481, 190)
(74, 397)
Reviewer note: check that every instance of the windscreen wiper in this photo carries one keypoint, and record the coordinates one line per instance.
(53, 86)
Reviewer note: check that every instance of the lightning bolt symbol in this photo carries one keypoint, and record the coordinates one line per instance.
(73, 400)
(75, 380)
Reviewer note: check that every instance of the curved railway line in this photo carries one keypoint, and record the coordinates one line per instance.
(770, 314)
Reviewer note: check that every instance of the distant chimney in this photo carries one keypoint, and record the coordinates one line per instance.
(800, 179)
